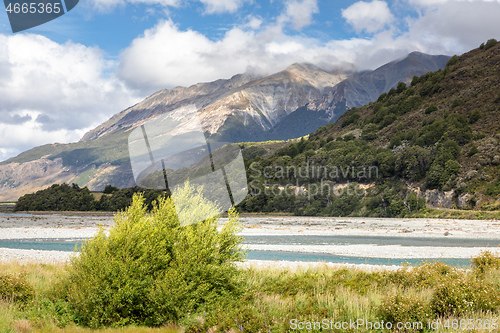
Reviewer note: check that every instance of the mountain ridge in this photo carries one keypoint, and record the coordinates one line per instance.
(245, 107)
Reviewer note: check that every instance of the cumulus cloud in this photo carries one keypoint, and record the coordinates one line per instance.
(52, 91)
(456, 25)
(368, 16)
(299, 13)
(167, 56)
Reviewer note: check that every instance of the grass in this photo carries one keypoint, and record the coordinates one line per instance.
(445, 213)
(278, 298)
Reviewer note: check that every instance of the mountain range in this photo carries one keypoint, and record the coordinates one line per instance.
(247, 107)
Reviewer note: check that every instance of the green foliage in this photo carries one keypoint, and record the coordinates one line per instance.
(121, 199)
(57, 197)
(452, 167)
(352, 118)
(456, 102)
(369, 132)
(473, 150)
(109, 189)
(493, 189)
(425, 275)
(150, 270)
(490, 43)
(73, 198)
(400, 87)
(406, 309)
(454, 127)
(474, 116)
(15, 288)
(431, 108)
(453, 61)
(464, 295)
(486, 261)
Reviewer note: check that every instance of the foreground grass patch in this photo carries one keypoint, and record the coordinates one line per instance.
(279, 300)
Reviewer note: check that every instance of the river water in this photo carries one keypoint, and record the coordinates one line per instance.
(290, 241)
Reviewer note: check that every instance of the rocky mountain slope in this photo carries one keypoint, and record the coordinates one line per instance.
(285, 105)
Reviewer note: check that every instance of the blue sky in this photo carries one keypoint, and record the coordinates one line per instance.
(60, 79)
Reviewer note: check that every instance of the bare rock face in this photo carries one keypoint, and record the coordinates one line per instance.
(439, 199)
(363, 88)
(261, 101)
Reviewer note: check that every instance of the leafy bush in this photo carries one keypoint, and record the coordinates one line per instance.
(150, 270)
(431, 109)
(426, 275)
(369, 132)
(486, 261)
(351, 119)
(490, 43)
(15, 288)
(474, 116)
(405, 309)
(460, 296)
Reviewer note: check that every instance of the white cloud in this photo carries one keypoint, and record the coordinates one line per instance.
(53, 91)
(167, 56)
(368, 16)
(221, 6)
(456, 26)
(299, 13)
(211, 6)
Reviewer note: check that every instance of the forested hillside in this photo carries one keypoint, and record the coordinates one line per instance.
(435, 140)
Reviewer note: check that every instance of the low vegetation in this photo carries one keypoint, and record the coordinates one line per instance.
(267, 300)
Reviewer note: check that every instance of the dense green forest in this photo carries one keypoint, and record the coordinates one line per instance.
(73, 198)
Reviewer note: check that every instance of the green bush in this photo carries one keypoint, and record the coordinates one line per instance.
(150, 270)
(474, 116)
(457, 297)
(405, 309)
(486, 261)
(490, 43)
(431, 109)
(15, 288)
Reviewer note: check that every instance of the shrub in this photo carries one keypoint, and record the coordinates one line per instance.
(473, 150)
(452, 167)
(474, 116)
(486, 261)
(490, 43)
(150, 270)
(15, 288)
(369, 132)
(405, 309)
(456, 102)
(460, 296)
(351, 119)
(453, 61)
(431, 109)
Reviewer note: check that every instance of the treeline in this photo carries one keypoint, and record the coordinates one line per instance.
(74, 198)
